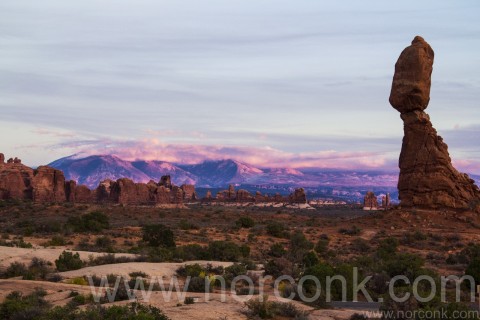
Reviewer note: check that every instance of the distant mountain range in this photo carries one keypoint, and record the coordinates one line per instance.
(213, 174)
(349, 185)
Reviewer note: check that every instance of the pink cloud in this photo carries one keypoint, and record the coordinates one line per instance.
(155, 149)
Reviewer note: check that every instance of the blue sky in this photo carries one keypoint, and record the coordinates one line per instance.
(283, 83)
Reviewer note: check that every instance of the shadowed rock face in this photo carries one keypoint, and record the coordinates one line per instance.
(427, 177)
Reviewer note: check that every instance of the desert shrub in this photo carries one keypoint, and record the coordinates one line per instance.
(353, 231)
(277, 250)
(361, 245)
(387, 247)
(473, 269)
(159, 254)
(276, 229)
(191, 270)
(19, 243)
(197, 284)
(186, 225)
(94, 221)
(15, 269)
(270, 309)
(131, 311)
(234, 270)
(406, 264)
(56, 241)
(245, 222)
(321, 247)
(189, 300)
(227, 251)
(105, 243)
(310, 259)
(39, 268)
(136, 274)
(53, 277)
(191, 252)
(158, 235)
(68, 261)
(17, 306)
(111, 258)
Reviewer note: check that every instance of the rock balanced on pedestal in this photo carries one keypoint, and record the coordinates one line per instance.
(427, 177)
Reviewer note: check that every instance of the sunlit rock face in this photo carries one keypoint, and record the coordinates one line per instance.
(427, 177)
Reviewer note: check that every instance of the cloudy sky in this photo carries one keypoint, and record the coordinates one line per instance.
(270, 82)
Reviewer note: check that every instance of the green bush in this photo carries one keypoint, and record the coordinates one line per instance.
(94, 221)
(191, 252)
(271, 309)
(17, 306)
(158, 235)
(277, 250)
(245, 222)
(473, 269)
(276, 229)
(68, 261)
(189, 300)
(227, 251)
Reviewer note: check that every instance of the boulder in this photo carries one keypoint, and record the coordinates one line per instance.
(427, 177)
(2, 158)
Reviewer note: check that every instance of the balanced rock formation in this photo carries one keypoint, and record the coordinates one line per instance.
(427, 177)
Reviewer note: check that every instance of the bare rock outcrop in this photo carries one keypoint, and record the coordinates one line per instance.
(427, 177)
(298, 196)
(370, 201)
(189, 193)
(244, 196)
(48, 185)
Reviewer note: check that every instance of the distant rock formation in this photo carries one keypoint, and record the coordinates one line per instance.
(189, 193)
(370, 201)
(298, 196)
(48, 185)
(427, 177)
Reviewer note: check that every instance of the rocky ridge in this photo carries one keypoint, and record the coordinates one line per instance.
(48, 185)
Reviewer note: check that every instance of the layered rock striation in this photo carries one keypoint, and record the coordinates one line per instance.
(427, 177)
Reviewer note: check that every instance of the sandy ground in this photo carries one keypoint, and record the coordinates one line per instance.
(211, 309)
(164, 269)
(9, 255)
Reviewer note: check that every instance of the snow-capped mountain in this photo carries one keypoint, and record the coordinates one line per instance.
(223, 172)
(214, 174)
